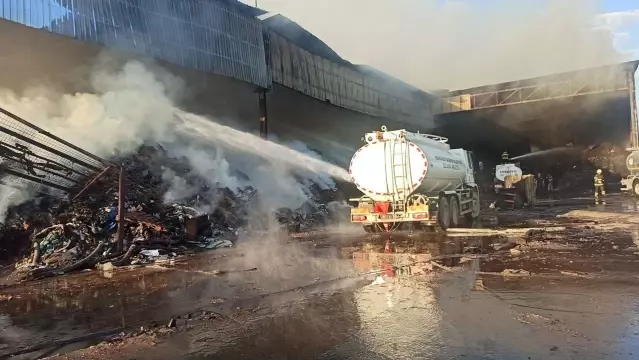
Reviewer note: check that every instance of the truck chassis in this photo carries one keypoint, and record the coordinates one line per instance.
(426, 212)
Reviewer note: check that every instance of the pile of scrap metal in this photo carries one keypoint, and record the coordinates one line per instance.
(70, 235)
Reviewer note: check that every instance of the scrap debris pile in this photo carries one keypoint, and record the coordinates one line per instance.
(68, 235)
(578, 178)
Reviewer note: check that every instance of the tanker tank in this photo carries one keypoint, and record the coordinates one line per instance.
(392, 165)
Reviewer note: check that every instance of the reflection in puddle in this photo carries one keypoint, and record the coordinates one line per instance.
(399, 316)
(408, 255)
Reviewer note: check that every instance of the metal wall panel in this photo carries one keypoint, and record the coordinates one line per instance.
(342, 85)
(205, 35)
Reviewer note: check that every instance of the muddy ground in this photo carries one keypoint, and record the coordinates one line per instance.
(564, 293)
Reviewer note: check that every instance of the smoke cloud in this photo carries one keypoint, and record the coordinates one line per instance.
(132, 105)
(129, 106)
(458, 44)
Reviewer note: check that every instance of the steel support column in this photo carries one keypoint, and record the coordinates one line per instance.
(634, 124)
(261, 93)
(120, 234)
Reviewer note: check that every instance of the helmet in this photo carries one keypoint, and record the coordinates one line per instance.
(598, 171)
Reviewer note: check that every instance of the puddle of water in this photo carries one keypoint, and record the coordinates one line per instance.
(77, 304)
(404, 314)
(410, 253)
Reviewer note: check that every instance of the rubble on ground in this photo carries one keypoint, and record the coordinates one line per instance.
(60, 236)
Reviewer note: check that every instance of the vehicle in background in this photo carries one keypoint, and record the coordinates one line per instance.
(631, 182)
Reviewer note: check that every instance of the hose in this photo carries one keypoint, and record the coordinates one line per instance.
(46, 272)
(127, 256)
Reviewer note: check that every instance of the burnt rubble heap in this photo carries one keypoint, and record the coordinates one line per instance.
(60, 236)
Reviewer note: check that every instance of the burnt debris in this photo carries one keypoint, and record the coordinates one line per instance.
(53, 235)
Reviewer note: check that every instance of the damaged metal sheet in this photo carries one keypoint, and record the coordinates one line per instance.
(34, 160)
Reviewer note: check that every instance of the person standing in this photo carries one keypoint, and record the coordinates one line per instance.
(599, 185)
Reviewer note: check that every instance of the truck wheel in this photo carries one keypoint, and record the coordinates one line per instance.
(635, 188)
(371, 228)
(475, 206)
(443, 213)
(454, 212)
(519, 200)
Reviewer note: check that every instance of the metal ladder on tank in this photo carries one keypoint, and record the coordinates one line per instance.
(400, 165)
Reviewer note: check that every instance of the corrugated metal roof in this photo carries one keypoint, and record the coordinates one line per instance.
(216, 36)
(299, 36)
(541, 79)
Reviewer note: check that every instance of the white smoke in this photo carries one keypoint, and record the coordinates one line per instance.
(459, 43)
(128, 107)
(132, 105)
(10, 196)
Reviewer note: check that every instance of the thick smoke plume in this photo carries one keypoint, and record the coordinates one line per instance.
(132, 105)
(129, 106)
(458, 44)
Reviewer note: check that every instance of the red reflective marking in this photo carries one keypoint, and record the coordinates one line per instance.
(423, 155)
(381, 208)
(411, 144)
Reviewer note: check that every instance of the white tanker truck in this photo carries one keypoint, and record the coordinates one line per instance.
(412, 178)
(631, 182)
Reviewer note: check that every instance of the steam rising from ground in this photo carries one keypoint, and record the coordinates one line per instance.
(132, 106)
(458, 44)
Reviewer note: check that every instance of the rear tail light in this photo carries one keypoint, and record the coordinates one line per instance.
(420, 216)
(358, 217)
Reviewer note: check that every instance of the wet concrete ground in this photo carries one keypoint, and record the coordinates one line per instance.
(561, 295)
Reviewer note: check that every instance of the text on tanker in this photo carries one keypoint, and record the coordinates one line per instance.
(508, 172)
(449, 163)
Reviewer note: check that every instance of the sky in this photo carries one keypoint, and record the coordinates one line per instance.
(622, 18)
(454, 44)
(619, 16)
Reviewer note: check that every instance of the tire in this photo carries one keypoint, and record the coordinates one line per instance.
(454, 211)
(443, 213)
(519, 200)
(373, 229)
(428, 229)
(635, 188)
(475, 206)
